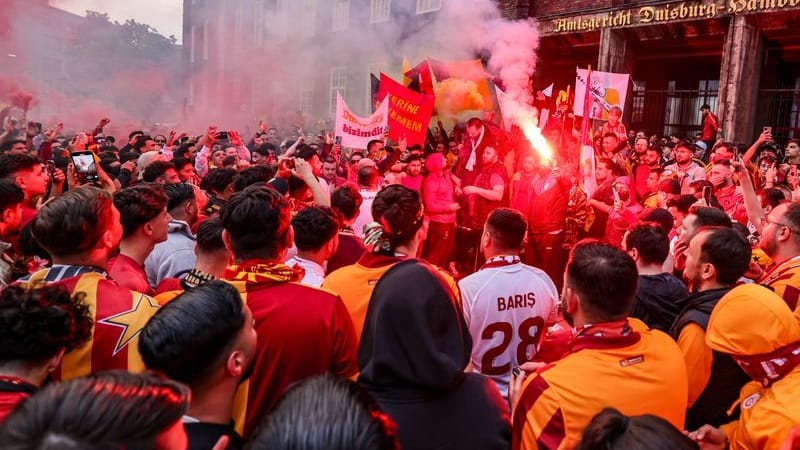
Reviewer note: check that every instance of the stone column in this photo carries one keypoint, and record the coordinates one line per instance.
(740, 76)
(617, 56)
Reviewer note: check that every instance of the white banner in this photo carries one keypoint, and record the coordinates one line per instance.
(356, 132)
(608, 90)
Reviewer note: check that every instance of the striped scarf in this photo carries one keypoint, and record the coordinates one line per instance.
(259, 272)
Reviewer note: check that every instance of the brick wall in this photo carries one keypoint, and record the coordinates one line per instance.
(541, 8)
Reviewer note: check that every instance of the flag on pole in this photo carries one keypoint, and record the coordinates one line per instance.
(587, 162)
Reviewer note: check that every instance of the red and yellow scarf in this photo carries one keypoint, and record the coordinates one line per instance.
(260, 271)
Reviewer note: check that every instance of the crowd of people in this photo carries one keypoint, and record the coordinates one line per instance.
(280, 291)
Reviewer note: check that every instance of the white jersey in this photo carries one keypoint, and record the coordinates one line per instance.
(507, 306)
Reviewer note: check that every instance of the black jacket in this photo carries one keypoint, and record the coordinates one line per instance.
(413, 352)
(657, 298)
(726, 379)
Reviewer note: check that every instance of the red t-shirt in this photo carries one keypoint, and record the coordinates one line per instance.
(13, 391)
(129, 274)
(302, 332)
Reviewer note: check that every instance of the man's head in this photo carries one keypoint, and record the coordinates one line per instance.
(780, 231)
(368, 177)
(652, 156)
(346, 203)
(329, 170)
(118, 409)
(316, 231)
(11, 198)
(653, 178)
(310, 155)
(641, 145)
(79, 223)
(648, 245)
(26, 171)
(716, 257)
(262, 154)
(185, 202)
(143, 212)
(792, 150)
(252, 175)
(684, 152)
(218, 157)
(770, 198)
(614, 114)
(700, 217)
(599, 284)
(161, 172)
(610, 143)
(414, 166)
(605, 169)
(145, 144)
(209, 246)
(474, 128)
(37, 326)
(490, 156)
(721, 174)
(185, 169)
(374, 147)
(203, 338)
(13, 146)
(723, 151)
(503, 233)
(219, 181)
(257, 224)
(705, 109)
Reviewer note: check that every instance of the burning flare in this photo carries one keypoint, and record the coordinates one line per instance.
(537, 140)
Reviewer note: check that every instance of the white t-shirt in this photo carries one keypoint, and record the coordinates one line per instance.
(507, 306)
(365, 212)
(314, 272)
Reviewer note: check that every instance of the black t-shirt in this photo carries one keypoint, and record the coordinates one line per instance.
(203, 435)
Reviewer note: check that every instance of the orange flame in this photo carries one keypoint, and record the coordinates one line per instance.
(537, 140)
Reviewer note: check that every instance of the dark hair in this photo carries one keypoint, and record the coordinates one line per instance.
(209, 235)
(475, 122)
(251, 176)
(330, 413)
(706, 216)
(217, 180)
(611, 430)
(771, 197)
(73, 222)
(367, 176)
(155, 170)
(178, 194)
(134, 133)
(792, 217)
(346, 201)
(399, 211)
(372, 143)
(507, 227)
(651, 242)
(138, 205)
(257, 221)
(11, 163)
(8, 145)
(305, 151)
(179, 163)
(611, 165)
(683, 203)
(188, 338)
(660, 216)
(140, 141)
(10, 194)
(604, 277)
(728, 251)
(36, 323)
(117, 409)
(314, 227)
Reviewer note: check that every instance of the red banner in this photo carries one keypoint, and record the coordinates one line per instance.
(409, 111)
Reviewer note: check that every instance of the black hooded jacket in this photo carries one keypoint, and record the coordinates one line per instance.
(413, 352)
(657, 300)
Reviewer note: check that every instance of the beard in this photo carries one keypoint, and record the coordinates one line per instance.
(768, 245)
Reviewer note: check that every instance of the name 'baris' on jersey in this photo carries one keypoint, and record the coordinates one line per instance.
(516, 301)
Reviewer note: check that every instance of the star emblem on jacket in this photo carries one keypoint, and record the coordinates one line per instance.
(132, 321)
